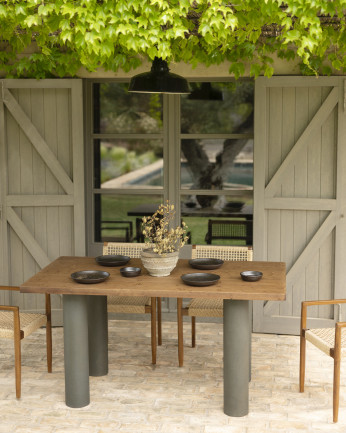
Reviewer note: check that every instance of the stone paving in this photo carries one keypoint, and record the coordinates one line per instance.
(137, 397)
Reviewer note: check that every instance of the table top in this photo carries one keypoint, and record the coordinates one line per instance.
(55, 278)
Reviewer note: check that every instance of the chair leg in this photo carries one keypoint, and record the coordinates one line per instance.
(302, 362)
(153, 330)
(17, 365)
(159, 322)
(49, 346)
(180, 332)
(193, 331)
(336, 389)
(49, 333)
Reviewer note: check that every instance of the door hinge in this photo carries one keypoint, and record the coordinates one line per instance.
(344, 95)
(0, 212)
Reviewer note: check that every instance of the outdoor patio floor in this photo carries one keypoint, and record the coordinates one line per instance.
(137, 397)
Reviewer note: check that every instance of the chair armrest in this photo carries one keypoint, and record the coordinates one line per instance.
(306, 304)
(8, 308)
(13, 288)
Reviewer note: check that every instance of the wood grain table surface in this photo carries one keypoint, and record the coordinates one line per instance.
(55, 278)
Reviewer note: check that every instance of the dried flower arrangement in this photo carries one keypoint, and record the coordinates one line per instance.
(162, 238)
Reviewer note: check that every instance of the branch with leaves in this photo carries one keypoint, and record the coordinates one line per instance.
(70, 34)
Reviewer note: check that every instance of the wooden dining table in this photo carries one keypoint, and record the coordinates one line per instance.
(85, 316)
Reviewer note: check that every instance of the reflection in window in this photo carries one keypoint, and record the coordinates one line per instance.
(118, 217)
(230, 115)
(128, 163)
(117, 112)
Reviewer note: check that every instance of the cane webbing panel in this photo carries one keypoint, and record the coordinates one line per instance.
(29, 322)
(214, 307)
(206, 308)
(127, 304)
(323, 338)
(222, 252)
(123, 248)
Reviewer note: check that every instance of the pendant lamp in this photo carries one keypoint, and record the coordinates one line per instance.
(158, 80)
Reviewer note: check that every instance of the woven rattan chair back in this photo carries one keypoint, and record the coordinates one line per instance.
(135, 304)
(241, 253)
(331, 341)
(237, 230)
(201, 307)
(16, 326)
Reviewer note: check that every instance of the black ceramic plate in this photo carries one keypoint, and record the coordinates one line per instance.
(89, 277)
(205, 263)
(200, 279)
(251, 275)
(129, 271)
(111, 260)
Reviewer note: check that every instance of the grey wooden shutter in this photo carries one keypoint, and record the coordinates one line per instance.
(42, 179)
(300, 194)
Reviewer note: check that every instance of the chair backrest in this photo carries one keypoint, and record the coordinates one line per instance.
(132, 250)
(230, 229)
(120, 231)
(222, 252)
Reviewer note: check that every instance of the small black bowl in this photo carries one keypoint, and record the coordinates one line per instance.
(130, 271)
(251, 275)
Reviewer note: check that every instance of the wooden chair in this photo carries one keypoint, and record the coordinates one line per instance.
(201, 307)
(332, 341)
(229, 230)
(135, 304)
(121, 231)
(16, 326)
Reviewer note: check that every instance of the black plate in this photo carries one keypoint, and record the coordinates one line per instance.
(89, 277)
(200, 279)
(129, 271)
(110, 260)
(205, 263)
(251, 275)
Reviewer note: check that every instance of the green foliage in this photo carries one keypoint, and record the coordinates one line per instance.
(113, 34)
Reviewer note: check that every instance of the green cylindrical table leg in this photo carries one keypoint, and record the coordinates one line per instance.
(98, 335)
(236, 347)
(76, 352)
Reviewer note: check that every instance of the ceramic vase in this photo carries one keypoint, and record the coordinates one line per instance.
(159, 265)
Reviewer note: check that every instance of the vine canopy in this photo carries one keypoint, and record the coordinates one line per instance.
(62, 36)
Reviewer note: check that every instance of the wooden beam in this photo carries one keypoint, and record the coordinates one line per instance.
(27, 238)
(305, 257)
(38, 141)
(319, 118)
(39, 200)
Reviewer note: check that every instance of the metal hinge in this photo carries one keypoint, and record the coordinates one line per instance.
(344, 95)
(0, 212)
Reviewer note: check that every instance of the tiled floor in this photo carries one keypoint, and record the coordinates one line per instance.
(137, 397)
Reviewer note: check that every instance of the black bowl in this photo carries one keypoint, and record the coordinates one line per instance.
(130, 271)
(251, 275)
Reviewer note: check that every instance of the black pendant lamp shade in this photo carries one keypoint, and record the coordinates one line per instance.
(158, 80)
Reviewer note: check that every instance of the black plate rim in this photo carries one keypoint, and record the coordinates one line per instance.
(217, 263)
(112, 260)
(103, 276)
(214, 278)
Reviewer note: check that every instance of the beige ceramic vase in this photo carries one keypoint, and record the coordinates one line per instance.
(159, 265)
